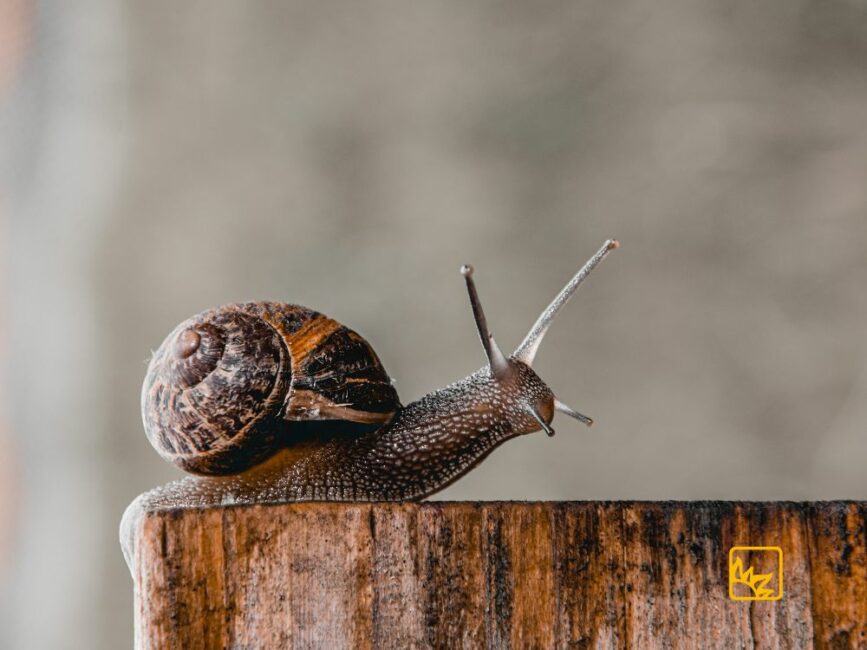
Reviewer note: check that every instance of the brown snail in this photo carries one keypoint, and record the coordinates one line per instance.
(278, 402)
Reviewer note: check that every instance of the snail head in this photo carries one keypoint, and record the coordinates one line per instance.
(533, 399)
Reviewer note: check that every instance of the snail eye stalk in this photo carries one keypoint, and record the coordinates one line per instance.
(496, 359)
(526, 352)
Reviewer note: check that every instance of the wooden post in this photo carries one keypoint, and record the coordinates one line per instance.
(497, 575)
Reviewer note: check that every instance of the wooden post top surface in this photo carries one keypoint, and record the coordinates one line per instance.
(501, 574)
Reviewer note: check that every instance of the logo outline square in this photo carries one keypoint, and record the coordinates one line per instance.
(735, 564)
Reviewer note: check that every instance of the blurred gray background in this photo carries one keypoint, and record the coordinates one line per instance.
(160, 158)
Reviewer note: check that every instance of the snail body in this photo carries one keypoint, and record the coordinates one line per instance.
(276, 402)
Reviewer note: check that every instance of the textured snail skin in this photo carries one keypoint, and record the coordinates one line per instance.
(429, 444)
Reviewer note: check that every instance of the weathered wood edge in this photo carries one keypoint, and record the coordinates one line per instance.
(140, 507)
(635, 560)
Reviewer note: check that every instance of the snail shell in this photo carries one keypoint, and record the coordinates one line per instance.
(231, 385)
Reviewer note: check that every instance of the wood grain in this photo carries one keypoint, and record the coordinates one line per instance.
(496, 575)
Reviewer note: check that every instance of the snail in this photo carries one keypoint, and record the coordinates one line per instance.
(276, 402)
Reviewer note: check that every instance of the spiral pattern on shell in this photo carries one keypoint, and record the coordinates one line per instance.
(213, 390)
